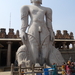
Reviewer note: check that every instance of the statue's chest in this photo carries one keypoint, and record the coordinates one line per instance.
(37, 11)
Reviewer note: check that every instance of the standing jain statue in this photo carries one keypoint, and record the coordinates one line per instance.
(38, 41)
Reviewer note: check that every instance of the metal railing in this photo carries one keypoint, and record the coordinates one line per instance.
(32, 69)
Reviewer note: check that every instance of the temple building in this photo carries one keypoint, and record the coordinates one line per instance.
(9, 43)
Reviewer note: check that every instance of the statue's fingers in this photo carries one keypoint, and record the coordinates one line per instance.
(22, 40)
(25, 37)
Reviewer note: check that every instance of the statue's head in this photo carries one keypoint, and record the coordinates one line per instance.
(36, 1)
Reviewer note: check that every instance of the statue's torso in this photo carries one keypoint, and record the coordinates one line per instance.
(37, 14)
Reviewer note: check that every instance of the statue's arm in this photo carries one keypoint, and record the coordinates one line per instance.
(49, 23)
(24, 20)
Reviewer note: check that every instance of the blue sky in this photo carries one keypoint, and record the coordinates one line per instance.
(63, 14)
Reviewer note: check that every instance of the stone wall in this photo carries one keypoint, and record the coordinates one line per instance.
(64, 35)
(68, 53)
(10, 34)
(58, 35)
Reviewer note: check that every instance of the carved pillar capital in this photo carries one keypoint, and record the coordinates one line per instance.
(9, 42)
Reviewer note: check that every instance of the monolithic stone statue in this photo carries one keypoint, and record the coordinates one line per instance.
(37, 42)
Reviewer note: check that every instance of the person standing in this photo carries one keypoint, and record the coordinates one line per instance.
(55, 72)
(63, 68)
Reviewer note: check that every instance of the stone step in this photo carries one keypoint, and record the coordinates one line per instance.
(9, 73)
(5, 73)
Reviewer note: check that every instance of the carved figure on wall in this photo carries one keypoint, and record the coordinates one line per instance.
(2, 33)
(11, 33)
(65, 35)
(37, 42)
(71, 35)
(58, 35)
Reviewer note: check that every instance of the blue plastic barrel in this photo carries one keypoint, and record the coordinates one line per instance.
(48, 71)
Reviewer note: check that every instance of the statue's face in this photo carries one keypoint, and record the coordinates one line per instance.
(36, 1)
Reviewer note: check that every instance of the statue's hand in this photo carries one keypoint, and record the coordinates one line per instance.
(52, 36)
(23, 37)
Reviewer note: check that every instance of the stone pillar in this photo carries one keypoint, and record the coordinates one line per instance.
(9, 53)
(0, 58)
(64, 45)
(73, 44)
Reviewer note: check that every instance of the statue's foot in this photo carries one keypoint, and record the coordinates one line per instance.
(42, 61)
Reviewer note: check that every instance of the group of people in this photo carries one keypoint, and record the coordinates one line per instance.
(68, 68)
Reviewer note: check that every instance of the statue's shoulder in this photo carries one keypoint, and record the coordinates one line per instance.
(47, 9)
(25, 7)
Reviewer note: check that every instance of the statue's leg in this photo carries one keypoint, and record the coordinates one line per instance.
(45, 50)
(34, 48)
